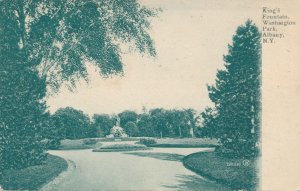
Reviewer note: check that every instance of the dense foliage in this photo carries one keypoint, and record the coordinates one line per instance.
(60, 36)
(235, 120)
(22, 114)
(22, 108)
(102, 124)
(127, 116)
(147, 141)
(131, 129)
(45, 43)
(71, 123)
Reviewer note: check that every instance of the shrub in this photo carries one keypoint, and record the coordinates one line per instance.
(147, 141)
(77, 144)
(120, 147)
(51, 143)
(90, 141)
(225, 152)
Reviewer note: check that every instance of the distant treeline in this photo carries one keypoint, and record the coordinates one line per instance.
(70, 123)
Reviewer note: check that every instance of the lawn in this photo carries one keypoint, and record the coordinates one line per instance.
(238, 173)
(90, 143)
(77, 144)
(185, 142)
(34, 177)
(94, 143)
(117, 139)
(121, 147)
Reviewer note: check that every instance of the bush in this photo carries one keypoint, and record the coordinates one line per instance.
(120, 147)
(225, 152)
(234, 153)
(147, 141)
(113, 139)
(51, 143)
(77, 144)
(90, 141)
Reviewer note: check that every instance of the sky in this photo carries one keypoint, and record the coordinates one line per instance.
(191, 37)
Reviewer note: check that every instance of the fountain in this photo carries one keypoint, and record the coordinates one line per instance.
(117, 130)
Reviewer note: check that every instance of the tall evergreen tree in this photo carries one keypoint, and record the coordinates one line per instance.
(236, 93)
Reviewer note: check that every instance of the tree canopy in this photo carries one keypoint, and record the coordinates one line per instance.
(45, 43)
(127, 116)
(103, 123)
(74, 123)
(59, 36)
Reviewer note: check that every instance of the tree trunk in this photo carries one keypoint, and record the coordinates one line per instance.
(179, 129)
(21, 19)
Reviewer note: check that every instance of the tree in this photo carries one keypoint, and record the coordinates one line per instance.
(208, 127)
(131, 129)
(22, 108)
(159, 122)
(173, 123)
(52, 132)
(59, 37)
(127, 116)
(20, 124)
(145, 126)
(236, 94)
(47, 43)
(180, 123)
(102, 123)
(74, 123)
(191, 121)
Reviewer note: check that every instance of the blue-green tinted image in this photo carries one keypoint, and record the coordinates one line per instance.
(129, 95)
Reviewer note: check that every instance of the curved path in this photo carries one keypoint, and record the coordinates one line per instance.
(157, 169)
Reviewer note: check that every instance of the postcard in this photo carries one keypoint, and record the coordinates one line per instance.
(199, 95)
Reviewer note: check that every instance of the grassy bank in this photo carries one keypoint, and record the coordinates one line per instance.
(185, 143)
(90, 143)
(182, 145)
(120, 148)
(78, 144)
(34, 177)
(118, 139)
(94, 143)
(237, 173)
